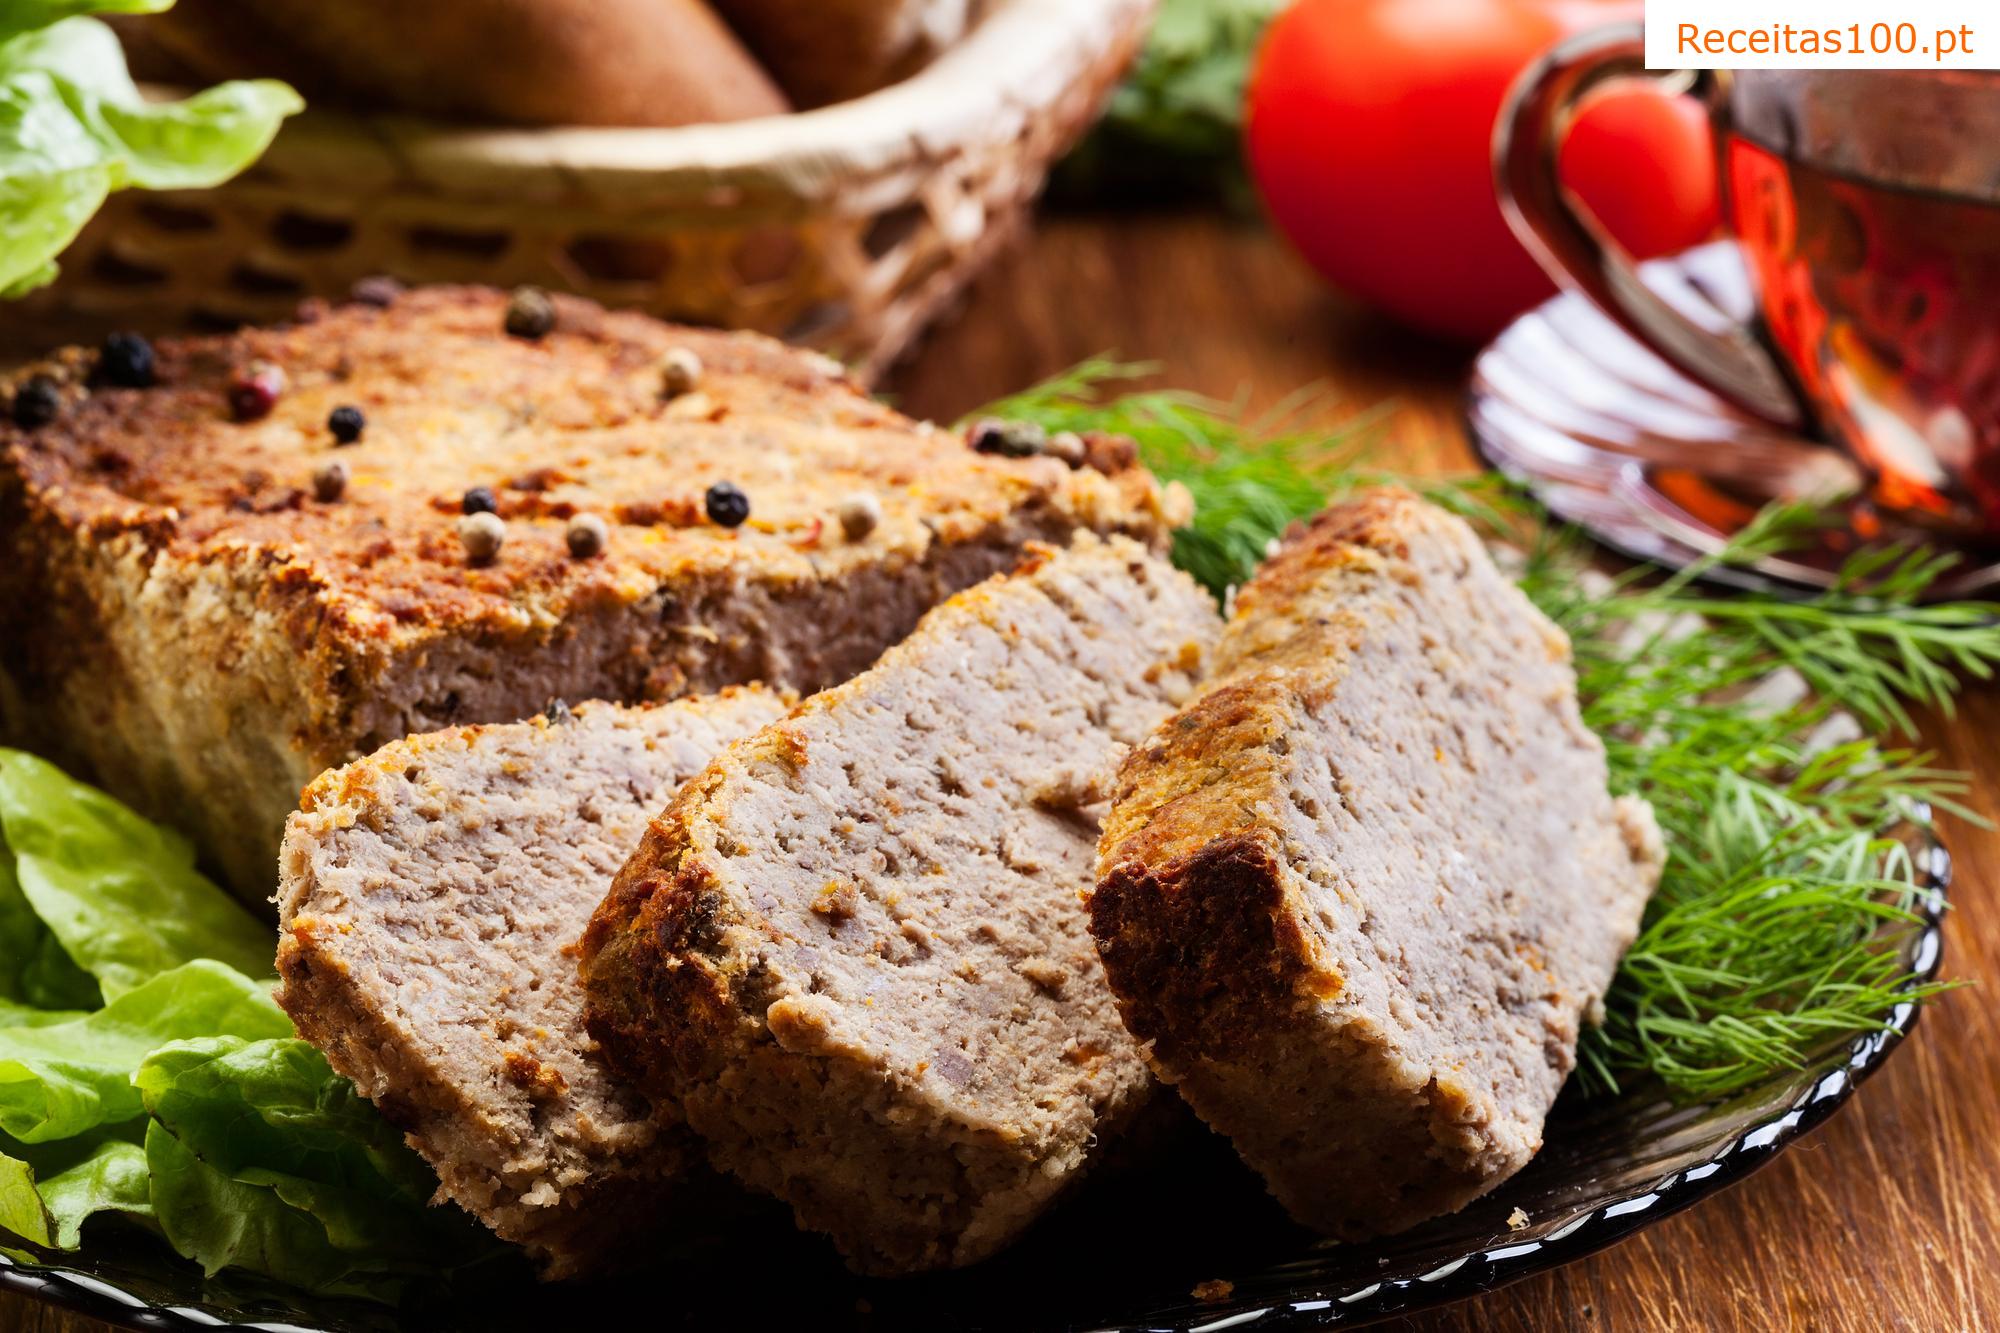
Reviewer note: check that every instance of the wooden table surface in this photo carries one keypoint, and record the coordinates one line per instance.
(1886, 1218)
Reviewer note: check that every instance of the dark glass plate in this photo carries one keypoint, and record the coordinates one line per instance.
(1127, 1252)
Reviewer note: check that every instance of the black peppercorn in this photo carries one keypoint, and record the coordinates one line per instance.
(530, 313)
(479, 500)
(36, 403)
(346, 423)
(126, 360)
(727, 504)
(1009, 439)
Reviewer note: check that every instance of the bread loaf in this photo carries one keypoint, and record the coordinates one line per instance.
(832, 50)
(525, 62)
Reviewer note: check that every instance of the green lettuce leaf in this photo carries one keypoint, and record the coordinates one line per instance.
(222, 1223)
(35, 973)
(185, 1103)
(73, 128)
(120, 894)
(275, 1163)
(110, 1177)
(276, 1104)
(21, 1210)
(72, 1180)
(199, 141)
(62, 1079)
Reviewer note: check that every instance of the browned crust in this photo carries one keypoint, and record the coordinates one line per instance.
(145, 524)
(641, 956)
(1213, 972)
(1208, 934)
(1196, 775)
(168, 464)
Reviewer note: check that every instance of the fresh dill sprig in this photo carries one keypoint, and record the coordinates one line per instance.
(1744, 718)
(1780, 916)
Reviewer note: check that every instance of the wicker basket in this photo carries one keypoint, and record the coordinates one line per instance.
(845, 229)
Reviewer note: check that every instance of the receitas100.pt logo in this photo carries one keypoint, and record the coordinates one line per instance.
(1822, 34)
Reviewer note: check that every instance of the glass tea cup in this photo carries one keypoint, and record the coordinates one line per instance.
(1866, 205)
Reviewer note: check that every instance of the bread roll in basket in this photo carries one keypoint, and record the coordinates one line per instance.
(845, 229)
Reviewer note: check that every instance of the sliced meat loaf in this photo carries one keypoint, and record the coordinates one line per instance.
(1358, 894)
(429, 892)
(190, 620)
(854, 948)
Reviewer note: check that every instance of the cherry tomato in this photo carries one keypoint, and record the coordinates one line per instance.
(1369, 130)
(1644, 162)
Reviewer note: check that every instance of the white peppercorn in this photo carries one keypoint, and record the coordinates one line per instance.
(330, 481)
(587, 536)
(859, 514)
(680, 372)
(483, 534)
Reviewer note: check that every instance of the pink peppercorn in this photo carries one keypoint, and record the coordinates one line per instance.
(256, 390)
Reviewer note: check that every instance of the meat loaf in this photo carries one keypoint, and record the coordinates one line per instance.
(854, 947)
(1356, 896)
(184, 620)
(428, 894)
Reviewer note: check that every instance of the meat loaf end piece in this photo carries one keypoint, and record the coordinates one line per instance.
(854, 948)
(429, 893)
(1358, 894)
(186, 619)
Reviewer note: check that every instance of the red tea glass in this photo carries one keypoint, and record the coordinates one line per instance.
(1867, 208)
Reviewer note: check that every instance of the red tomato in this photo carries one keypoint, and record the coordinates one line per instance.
(1369, 131)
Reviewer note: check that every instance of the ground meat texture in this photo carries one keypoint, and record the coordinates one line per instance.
(183, 624)
(854, 949)
(428, 894)
(1358, 894)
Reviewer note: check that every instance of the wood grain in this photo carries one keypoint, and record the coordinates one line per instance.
(1887, 1218)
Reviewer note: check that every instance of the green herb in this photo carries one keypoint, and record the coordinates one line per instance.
(74, 127)
(1176, 123)
(1777, 923)
(146, 1072)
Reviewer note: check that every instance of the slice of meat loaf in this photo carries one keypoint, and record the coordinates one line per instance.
(1357, 895)
(429, 893)
(854, 948)
(187, 619)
